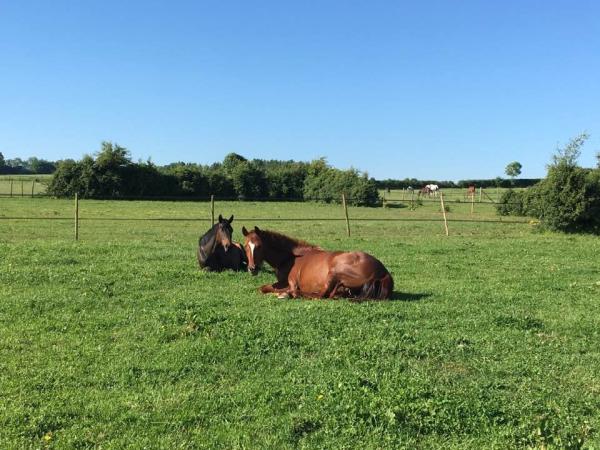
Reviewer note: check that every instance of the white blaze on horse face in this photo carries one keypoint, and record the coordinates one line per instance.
(251, 244)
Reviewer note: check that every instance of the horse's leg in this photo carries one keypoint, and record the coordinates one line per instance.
(274, 288)
(330, 288)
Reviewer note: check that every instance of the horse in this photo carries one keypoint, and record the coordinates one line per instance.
(306, 270)
(470, 191)
(216, 250)
(433, 189)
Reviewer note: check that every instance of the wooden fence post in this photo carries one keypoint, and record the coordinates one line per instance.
(472, 202)
(444, 213)
(76, 216)
(212, 209)
(11, 187)
(346, 212)
(22, 192)
(479, 194)
(32, 187)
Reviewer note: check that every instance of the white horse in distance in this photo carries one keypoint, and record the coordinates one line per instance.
(432, 189)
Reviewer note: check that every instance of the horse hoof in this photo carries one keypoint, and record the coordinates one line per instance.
(283, 295)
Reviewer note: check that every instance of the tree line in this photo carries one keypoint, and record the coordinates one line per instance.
(33, 165)
(111, 173)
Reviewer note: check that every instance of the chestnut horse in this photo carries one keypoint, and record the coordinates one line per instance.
(305, 270)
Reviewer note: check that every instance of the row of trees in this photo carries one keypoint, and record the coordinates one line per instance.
(112, 174)
(31, 165)
(568, 199)
(278, 170)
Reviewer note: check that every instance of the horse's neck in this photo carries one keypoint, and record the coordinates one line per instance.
(208, 242)
(279, 250)
(277, 258)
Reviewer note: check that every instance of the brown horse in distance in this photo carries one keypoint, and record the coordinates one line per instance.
(305, 270)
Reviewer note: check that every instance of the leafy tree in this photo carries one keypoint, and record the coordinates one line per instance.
(112, 156)
(248, 180)
(15, 162)
(513, 170)
(219, 184)
(286, 181)
(568, 199)
(569, 154)
(36, 165)
(231, 161)
(2, 162)
(324, 183)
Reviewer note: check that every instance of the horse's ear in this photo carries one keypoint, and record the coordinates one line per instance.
(230, 219)
(256, 229)
(220, 218)
(244, 231)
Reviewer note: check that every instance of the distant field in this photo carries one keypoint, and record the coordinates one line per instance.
(22, 184)
(118, 340)
(450, 194)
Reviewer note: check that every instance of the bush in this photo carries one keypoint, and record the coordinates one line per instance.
(512, 203)
(112, 174)
(567, 200)
(326, 184)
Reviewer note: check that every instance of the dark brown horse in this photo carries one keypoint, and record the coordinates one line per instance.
(216, 250)
(305, 270)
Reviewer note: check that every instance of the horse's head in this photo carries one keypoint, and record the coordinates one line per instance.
(254, 249)
(224, 232)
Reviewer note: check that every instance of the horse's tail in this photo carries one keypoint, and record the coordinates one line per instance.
(378, 288)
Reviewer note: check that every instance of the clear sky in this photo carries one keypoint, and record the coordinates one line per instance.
(429, 89)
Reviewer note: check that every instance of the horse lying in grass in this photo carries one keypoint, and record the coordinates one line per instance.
(216, 250)
(305, 270)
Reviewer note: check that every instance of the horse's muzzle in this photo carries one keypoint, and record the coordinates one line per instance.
(253, 270)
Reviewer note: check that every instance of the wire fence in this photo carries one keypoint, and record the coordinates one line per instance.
(436, 216)
(384, 201)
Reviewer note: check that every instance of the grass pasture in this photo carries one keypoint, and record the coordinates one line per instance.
(118, 341)
(21, 185)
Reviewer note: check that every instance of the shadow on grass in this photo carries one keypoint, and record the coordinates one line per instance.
(396, 297)
(409, 296)
(396, 205)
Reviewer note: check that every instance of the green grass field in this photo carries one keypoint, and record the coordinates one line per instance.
(119, 341)
(21, 185)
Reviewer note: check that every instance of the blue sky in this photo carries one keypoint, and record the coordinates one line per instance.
(430, 89)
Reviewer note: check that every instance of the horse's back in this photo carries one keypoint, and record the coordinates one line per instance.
(364, 275)
(355, 274)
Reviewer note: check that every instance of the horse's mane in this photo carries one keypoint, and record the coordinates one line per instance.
(206, 237)
(286, 243)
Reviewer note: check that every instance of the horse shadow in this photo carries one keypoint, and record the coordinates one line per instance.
(395, 297)
(409, 296)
